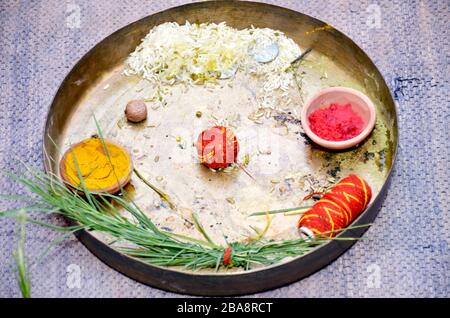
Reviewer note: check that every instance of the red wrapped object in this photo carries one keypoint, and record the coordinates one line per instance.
(227, 256)
(217, 147)
(337, 208)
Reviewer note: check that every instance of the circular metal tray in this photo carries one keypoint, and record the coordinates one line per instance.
(112, 52)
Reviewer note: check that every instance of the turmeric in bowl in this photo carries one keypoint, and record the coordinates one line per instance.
(104, 165)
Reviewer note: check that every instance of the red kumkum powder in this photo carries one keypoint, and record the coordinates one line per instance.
(336, 122)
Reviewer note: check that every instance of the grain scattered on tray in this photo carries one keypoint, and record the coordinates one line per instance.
(207, 53)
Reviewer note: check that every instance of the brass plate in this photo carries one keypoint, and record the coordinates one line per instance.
(346, 65)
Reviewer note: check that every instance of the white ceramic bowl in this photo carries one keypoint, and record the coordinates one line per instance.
(361, 104)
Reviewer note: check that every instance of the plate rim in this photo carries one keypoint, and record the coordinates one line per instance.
(218, 284)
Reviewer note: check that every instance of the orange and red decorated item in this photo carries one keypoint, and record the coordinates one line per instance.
(337, 208)
(217, 147)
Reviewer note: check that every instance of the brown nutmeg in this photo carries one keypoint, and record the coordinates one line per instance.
(136, 111)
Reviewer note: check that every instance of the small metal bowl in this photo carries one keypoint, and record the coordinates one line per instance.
(361, 104)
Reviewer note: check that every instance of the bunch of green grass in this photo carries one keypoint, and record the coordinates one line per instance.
(139, 237)
(143, 240)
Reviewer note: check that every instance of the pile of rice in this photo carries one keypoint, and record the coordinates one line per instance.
(205, 53)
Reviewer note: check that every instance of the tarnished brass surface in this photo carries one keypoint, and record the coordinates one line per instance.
(104, 63)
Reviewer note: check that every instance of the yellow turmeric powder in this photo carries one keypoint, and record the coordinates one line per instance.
(101, 171)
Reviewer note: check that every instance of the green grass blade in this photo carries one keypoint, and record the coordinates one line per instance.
(19, 256)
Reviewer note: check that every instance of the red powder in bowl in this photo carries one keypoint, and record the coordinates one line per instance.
(336, 122)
